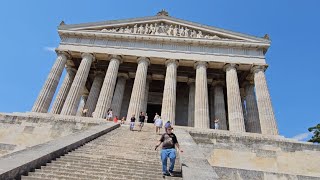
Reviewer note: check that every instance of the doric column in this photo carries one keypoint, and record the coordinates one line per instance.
(138, 89)
(63, 92)
(201, 112)
(191, 102)
(219, 104)
(252, 120)
(105, 97)
(266, 114)
(168, 111)
(94, 93)
(83, 101)
(118, 94)
(74, 95)
(145, 99)
(46, 94)
(236, 120)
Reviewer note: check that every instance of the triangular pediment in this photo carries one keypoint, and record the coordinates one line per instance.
(162, 26)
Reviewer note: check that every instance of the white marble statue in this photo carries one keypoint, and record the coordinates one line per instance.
(135, 29)
(140, 29)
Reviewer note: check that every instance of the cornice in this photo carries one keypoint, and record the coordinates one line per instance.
(169, 39)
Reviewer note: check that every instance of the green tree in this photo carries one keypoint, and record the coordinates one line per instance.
(316, 134)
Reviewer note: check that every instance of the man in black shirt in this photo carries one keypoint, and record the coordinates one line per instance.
(141, 120)
(169, 142)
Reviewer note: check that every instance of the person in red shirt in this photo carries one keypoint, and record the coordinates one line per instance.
(115, 119)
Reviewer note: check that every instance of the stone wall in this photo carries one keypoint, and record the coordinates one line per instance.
(21, 130)
(268, 155)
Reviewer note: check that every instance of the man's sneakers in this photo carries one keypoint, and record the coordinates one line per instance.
(168, 174)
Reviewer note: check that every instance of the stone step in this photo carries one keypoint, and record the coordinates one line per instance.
(151, 159)
(97, 175)
(116, 160)
(120, 154)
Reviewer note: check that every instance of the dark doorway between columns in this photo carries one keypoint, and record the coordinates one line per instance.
(152, 109)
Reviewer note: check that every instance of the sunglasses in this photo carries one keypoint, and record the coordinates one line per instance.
(170, 129)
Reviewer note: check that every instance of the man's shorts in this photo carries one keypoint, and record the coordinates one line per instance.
(131, 124)
(141, 124)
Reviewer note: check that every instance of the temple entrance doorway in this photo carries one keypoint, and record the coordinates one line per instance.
(152, 109)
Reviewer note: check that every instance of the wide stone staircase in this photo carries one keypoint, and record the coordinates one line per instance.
(119, 154)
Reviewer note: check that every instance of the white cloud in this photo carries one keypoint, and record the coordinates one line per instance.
(50, 49)
(302, 136)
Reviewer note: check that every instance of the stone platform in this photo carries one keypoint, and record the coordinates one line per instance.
(21, 130)
(255, 156)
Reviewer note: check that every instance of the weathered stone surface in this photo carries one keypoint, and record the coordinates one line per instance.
(256, 152)
(16, 164)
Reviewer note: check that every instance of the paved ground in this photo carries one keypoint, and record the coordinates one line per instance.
(120, 154)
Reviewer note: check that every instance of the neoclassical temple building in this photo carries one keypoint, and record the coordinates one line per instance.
(187, 72)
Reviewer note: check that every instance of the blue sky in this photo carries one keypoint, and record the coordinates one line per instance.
(29, 32)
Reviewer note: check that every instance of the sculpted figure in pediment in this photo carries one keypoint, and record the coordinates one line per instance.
(156, 28)
(140, 29)
(175, 31)
(186, 32)
(161, 29)
(181, 31)
(152, 29)
(193, 33)
(135, 29)
(121, 30)
(127, 30)
(146, 29)
(199, 35)
(104, 30)
(169, 31)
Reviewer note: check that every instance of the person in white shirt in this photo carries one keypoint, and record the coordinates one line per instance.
(158, 123)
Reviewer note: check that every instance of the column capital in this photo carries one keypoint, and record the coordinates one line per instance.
(200, 63)
(114, 56)
(124, 75)
(64, 53)
(218, 83)
(99, 73)
(88, 55)
(190, 81)
(143, 59)
(70, 69)
(172, 61)
(246, 83)
(230, 66)
(255, 69)
(149, 77)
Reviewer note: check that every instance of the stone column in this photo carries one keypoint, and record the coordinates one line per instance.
(73, 98)
(266, 114)
(105, 97)
(201, 112)
(63, 92)
(145, 99)
(219, 105)
(236, 120)
(168, 111)
(94, 93)
(138, 89)
(191, 102)
(118, 94)
(252, 120)
(46, 94)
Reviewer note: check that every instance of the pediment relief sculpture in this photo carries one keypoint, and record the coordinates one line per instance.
(162, 29)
